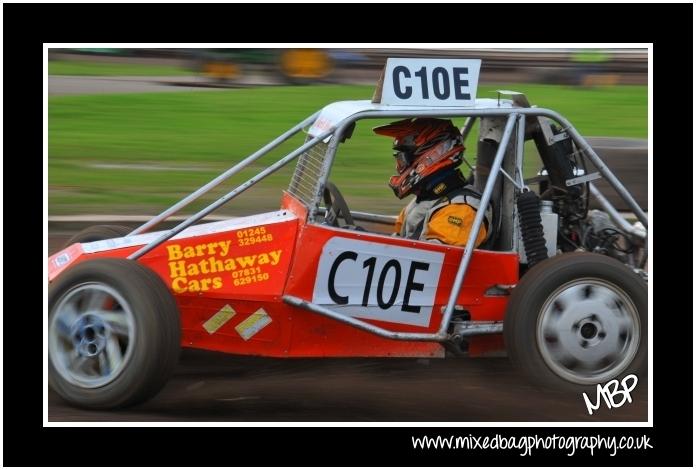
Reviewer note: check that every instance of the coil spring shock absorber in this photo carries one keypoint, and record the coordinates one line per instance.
(530, 227)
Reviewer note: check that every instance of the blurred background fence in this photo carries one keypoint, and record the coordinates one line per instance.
(117, 145)
(360, 66)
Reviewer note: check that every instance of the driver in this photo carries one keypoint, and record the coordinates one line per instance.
(428, 152)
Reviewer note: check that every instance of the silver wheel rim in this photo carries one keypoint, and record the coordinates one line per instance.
(91, 335)
(588, 331)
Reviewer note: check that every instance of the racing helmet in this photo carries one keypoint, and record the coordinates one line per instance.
(422, 148)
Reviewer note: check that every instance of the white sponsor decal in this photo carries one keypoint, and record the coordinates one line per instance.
(431, 82)
(253, 324)
(195, 231)
(377, 281)
(62, 259)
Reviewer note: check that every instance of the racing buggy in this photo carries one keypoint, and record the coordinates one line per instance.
(559, 287)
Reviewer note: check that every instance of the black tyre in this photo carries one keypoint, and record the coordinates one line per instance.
(99, 232)
(577, 320)
(113, 334)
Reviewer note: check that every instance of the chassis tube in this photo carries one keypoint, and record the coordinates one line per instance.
(300, 303)
(224, 176)
(229, 196)
(520, 147)
(478, 220)
(468, 124)
(603, 169)
(614, 214)
(468, 330)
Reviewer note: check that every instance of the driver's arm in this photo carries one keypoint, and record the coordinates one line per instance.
(399, 222)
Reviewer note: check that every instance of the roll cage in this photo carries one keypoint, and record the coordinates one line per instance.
(316, 156)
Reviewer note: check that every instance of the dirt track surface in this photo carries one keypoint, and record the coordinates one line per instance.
(217, 387)
(211, 386)
(69, 85)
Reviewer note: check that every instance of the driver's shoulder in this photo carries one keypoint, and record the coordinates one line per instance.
(452, 209)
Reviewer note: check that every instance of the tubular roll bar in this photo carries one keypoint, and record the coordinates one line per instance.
(468, 125)
(514, 116)
(229, 196)
(614, 215)
(224, 176)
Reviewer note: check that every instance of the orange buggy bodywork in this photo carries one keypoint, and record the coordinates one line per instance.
(229, 279)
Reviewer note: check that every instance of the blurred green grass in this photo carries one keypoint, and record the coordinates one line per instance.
(139, 153)
(78, 67)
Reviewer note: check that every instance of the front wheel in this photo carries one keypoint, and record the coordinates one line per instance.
(113, 334)
(577, 320)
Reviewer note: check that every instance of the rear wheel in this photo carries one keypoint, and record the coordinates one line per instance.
(577, 320)
(99, 232)
(113, 334)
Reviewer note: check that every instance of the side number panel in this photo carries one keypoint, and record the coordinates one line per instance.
(377, 281)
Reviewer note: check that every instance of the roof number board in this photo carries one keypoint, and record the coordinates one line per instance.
(430, 82)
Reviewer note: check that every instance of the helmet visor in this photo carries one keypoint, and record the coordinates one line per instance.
(403, 160)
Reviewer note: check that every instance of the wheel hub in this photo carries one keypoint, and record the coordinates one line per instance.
(588, 331)
(89, 334)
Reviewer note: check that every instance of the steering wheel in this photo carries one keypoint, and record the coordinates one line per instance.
(335, 206)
